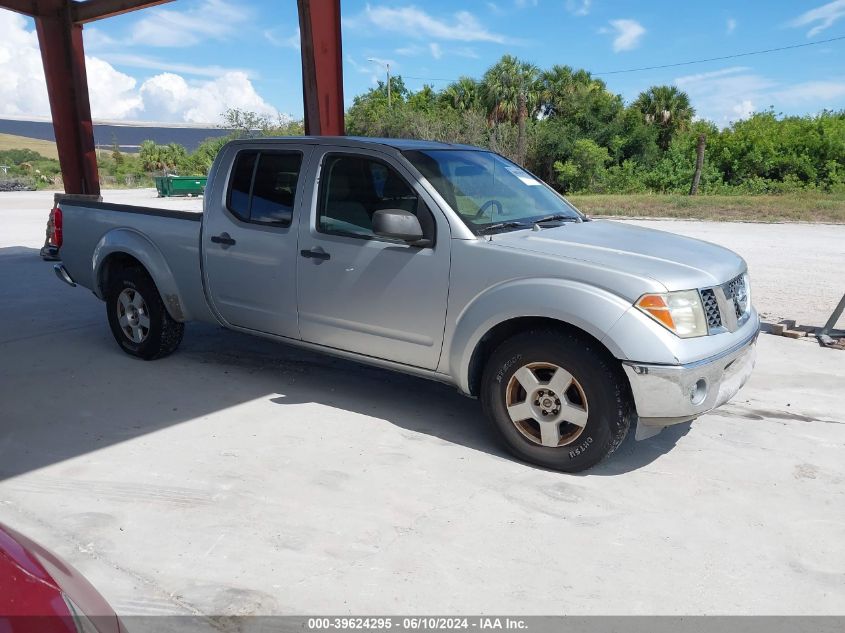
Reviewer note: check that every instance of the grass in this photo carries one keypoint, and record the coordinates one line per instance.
(793, 207)
(46, 148)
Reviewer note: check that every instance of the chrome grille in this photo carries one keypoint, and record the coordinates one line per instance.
(736, 292)
(711, 308)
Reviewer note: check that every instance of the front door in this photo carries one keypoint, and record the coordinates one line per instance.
(362, 293)
(249, 245)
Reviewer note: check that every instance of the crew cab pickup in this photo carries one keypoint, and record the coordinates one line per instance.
(444, 261)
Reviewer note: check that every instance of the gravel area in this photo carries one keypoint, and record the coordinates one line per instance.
(797, 270)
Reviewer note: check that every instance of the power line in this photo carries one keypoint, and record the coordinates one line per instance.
(427, 78)
(722, 58)
(676, 64)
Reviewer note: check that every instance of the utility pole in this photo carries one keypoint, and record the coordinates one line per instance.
(386, 66)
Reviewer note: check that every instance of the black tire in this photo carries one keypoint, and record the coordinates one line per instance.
(597, 379)
(163, 334)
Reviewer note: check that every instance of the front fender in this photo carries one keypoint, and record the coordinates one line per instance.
(586, 307)
(127, 241)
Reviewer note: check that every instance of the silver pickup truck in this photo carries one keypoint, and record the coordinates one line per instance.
(443, 261)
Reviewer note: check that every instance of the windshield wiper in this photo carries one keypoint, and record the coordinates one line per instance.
(503, 225)
(556, 218)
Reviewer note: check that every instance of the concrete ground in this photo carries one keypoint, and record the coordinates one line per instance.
(240, 476)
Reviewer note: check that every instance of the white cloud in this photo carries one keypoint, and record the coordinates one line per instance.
(407, 51)
(375, 67)
(111, 92)
(743, 109)
(694, 80)
(730, 26)
(466, 51)
(169, 97)
(821, 94)
(415, 23)
(734, 93)
(212, 19)
(820, 18)
(579, 7)
(153, 63)
(728, 94)
(627, 34)
(22, 90)
(290, 41)
(437, 51)
(95, 39)
(115, 95)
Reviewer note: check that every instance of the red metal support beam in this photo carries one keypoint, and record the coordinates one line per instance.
(90, 10)
(27, 7)
(63, 56)
(322, 67)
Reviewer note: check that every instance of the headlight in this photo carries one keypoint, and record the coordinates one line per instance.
(681, 312)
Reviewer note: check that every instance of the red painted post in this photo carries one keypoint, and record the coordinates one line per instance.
(63, 56)
(322, 67)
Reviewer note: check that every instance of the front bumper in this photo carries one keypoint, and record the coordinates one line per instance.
(670, 394)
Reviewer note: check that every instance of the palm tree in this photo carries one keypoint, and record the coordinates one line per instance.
(668, 108)
(462, 94)
(563, 90)
(510, 91)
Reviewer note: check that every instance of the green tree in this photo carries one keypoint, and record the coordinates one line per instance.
(667, 108)
(462, 95)
(511, 92)
(585, 168)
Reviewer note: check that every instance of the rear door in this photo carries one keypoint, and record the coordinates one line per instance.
(357, 291)
(249, 240)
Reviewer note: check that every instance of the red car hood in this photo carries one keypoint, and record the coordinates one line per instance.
(32, 581)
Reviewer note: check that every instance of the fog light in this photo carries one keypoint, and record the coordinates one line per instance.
(698, 392)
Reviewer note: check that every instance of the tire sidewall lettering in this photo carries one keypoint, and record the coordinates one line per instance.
(505, 369)
(581, 447)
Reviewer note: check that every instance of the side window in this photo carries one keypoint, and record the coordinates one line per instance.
(241, 185)
(263, 187)
(353, 188)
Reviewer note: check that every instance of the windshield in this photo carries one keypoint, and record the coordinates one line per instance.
(489, 192)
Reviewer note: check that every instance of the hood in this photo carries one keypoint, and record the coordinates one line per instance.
(33, 579)
(677, 262)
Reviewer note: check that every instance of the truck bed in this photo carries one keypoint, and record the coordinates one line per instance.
(171, 237)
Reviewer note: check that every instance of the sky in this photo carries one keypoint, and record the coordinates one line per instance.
(189, 60)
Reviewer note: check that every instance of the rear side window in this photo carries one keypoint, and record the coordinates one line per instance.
(241, 185)
(263, 187)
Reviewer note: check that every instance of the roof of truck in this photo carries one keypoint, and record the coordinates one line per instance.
(362, 141)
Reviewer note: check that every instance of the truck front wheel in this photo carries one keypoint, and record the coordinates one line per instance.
(137, 316)
(556, 400)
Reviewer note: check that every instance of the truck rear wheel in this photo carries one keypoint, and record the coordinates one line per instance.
(555, 400)
(137, 316)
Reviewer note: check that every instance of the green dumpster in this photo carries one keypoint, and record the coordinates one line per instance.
(168, 186)
(163, 186)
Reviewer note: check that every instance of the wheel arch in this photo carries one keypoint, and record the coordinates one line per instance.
(501, 332)
(504, 310)
(124, 247)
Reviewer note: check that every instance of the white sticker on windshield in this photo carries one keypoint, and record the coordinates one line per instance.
(524, 176)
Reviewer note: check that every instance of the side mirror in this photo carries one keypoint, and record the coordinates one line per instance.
(397, 224)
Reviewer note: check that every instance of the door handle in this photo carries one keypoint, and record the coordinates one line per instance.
(224, 238)
(316, 253)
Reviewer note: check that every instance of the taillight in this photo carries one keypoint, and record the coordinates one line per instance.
(57, 236)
